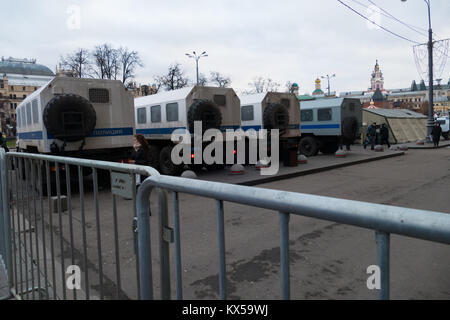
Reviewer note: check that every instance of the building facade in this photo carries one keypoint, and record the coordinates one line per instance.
(412, 98)
(18, 79)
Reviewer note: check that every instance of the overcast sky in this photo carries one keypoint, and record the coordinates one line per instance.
(285, 40)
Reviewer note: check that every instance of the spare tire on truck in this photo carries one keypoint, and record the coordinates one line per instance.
(350, 129)
(69, 117)
(276, 116)
(205, 111)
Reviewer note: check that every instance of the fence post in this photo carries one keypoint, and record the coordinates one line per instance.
(383, 253)
(5, 240)
(144, 239)
(164, 249)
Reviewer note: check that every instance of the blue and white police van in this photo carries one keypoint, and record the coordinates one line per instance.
(158, 116)
(328, 123)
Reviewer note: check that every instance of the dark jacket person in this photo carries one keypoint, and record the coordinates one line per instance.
(436, 134)
(140, 154)
(384, 132)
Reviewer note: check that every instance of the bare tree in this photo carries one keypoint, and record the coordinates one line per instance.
(174, 79)
(78, 62)
(129, 60)
(202, 81)
(106, 62)
(219, 79)
(260, 85)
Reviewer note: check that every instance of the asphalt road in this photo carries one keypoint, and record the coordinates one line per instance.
(328, 260)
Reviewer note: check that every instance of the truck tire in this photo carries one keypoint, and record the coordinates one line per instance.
(205, 111)
(165, 163)
(74, 110)
(308, 146)
(350, 129)
(276, 116)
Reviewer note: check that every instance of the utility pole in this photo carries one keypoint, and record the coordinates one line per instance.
(430, 122)
(328, 77)
(197, 58)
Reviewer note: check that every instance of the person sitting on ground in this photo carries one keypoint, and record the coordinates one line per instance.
(436, 134)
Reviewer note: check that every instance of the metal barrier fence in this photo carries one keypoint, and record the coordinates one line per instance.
(24, 214)
(41, 236)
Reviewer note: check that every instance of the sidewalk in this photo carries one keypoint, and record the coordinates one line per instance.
(414, 145)
(320, 163)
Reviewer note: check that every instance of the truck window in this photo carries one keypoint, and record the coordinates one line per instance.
(172, 112)
(98, 95)
(142, 115)
(220, 100)
(22, 111)
(307, 115)
(28, 113)
(34, 106)
(286, 103)
(324, 114)
(247, 113)
(156, 114)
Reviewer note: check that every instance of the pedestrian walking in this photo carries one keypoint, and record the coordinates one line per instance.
(436, 134)
(384, 132)
(371, 135)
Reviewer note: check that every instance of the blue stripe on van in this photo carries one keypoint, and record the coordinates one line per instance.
(111, 132)
(321, 126)
(31, 135)
(256, 128)
(158, 130)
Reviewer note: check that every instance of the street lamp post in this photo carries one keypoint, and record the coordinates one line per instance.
(430, 122)
(197, 58)
(328, 77)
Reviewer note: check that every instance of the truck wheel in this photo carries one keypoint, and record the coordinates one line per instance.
(153, 160)
(445, 135)
(308, 146)
(276, 116)
(329, 148)
(165, 162)
(205, 111)
(69, 117)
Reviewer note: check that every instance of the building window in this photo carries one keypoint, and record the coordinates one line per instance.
(156, 114)
(35, 88)
(247, 113)
(172, 112)
(324, 114)
(12, 88)
(24, 96)
(24, 89)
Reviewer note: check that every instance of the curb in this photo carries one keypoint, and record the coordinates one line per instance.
(316, 170)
